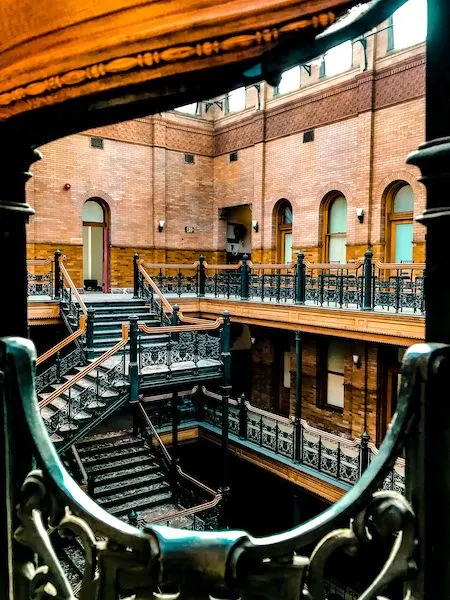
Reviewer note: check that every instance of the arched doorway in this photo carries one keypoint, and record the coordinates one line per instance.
(399, 226)
(335, 229)
(284, 231)
(96, 245)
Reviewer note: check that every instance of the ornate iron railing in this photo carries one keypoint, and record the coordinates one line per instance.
(61, 366)
(40, 277)
(365, 284)
(121, 559)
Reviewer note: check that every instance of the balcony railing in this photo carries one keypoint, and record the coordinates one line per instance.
(365, 284)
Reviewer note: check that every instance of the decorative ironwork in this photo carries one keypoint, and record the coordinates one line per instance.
(40, 284)
(191, 346)
(62, 366)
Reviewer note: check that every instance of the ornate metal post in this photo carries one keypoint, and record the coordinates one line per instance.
(175, 453)
(300, 279)
(243, 416)
(429, 484)
(201, 277)
(364, 452)
(245, 277)
(15, 162)
(175, 321)
(90, 332)
(58, 367)
(367, 281)
(135, 276)
(225, 389)
(57, 288)
(298, 397)
(133, 372)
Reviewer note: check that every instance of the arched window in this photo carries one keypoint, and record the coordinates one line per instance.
(95, 245)
(336, 230)
(400, 228)
(284, 232)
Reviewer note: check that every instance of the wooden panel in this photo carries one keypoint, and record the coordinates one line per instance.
(43, 313)
(401, 330)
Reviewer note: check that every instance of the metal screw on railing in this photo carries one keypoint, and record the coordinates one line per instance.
(90, 332)
(57, 283)
(367, 281)
(300, 279)
(201, 277)
(245, 277)
(364, 452)
(243, 416)
(135, 276)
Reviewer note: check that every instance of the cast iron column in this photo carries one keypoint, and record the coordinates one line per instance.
(367, 281)
(90, 332)
(201, 277)
(245, 276)
(135, 276)
(225, 389)
(57, 283)
(174, 454)
(300, 279)
(15, 440)
(298, 397)
(429, 485)
(133, 373)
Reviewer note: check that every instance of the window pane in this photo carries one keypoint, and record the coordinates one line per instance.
(92, 212)
(290, 81)
(287, 248)
(335, 390)
(337, 218)
(236, 100)
(336, 356)
(404, 200)
(287, 370)
(287, 216)
(337, 251)
(190, 109)
(403, 242)
(410, 23)
(339, 59)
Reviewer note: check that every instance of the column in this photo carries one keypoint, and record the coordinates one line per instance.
(298, 397)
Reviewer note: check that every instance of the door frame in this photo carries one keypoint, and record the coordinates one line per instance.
(106, 242)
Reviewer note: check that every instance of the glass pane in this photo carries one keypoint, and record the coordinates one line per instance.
(339, 59)
(410, 23)
(287, 248)
(190, 109)
(287, 370)
(290, 81)
(337, 218)
(236, 100)
(403, 243)
(337, 252)
(336, 352)
(404, 200)
(92, 212)
(287, 215)
(335, 390)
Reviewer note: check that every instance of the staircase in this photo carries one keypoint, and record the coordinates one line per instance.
(124, 475)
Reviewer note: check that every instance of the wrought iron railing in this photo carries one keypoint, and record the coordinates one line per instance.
(40, 277)
(365, 284)
(120, 559)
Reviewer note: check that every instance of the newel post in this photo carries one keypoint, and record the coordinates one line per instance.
(175, 320)
(135, 276)
(243, 416)
(57, 283)
(364, 452)
(245, 278)
(133, 372)
(300, 279)
(90, 332)
(201, 282)
(368, 278)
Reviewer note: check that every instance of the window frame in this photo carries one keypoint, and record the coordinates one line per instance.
(323, 347)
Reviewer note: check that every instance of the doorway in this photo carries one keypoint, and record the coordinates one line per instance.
(96, 235)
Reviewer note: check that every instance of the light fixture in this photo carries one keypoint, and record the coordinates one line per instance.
(253, 340)
(255, 226)
(360, 214)
(356, 360)
(161, 225)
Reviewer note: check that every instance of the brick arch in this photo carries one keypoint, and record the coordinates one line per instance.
(272, 210)
(382, 190)
(96, 193)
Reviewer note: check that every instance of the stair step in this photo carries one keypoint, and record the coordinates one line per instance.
(118, 465)
(138, 471)
(117, 499)
(120, 442)
(112, 486)
(98, 459)
(139, 505)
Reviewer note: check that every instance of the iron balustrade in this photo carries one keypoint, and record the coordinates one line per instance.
(364, 284)
(40, 277)
(61, 366)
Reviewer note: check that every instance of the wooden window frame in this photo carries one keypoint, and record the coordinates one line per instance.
(322, 378)
(393, 218)
(282, 230)
(326, 235)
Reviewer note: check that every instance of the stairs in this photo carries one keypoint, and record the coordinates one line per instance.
(126, 476)
(109, 316)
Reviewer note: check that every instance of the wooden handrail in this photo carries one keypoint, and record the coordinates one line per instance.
(95, 363)
(39, 261)
(209, 325)
(223, 267)
(170, 266)
(71, 284)
(399, 266)
(155, 288)
(67, 340)
(186, 512)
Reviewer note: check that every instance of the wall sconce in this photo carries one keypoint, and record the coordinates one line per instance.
(253, 340)
(360, 214)
(356, 360)
(255, 226)
(161, 226)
